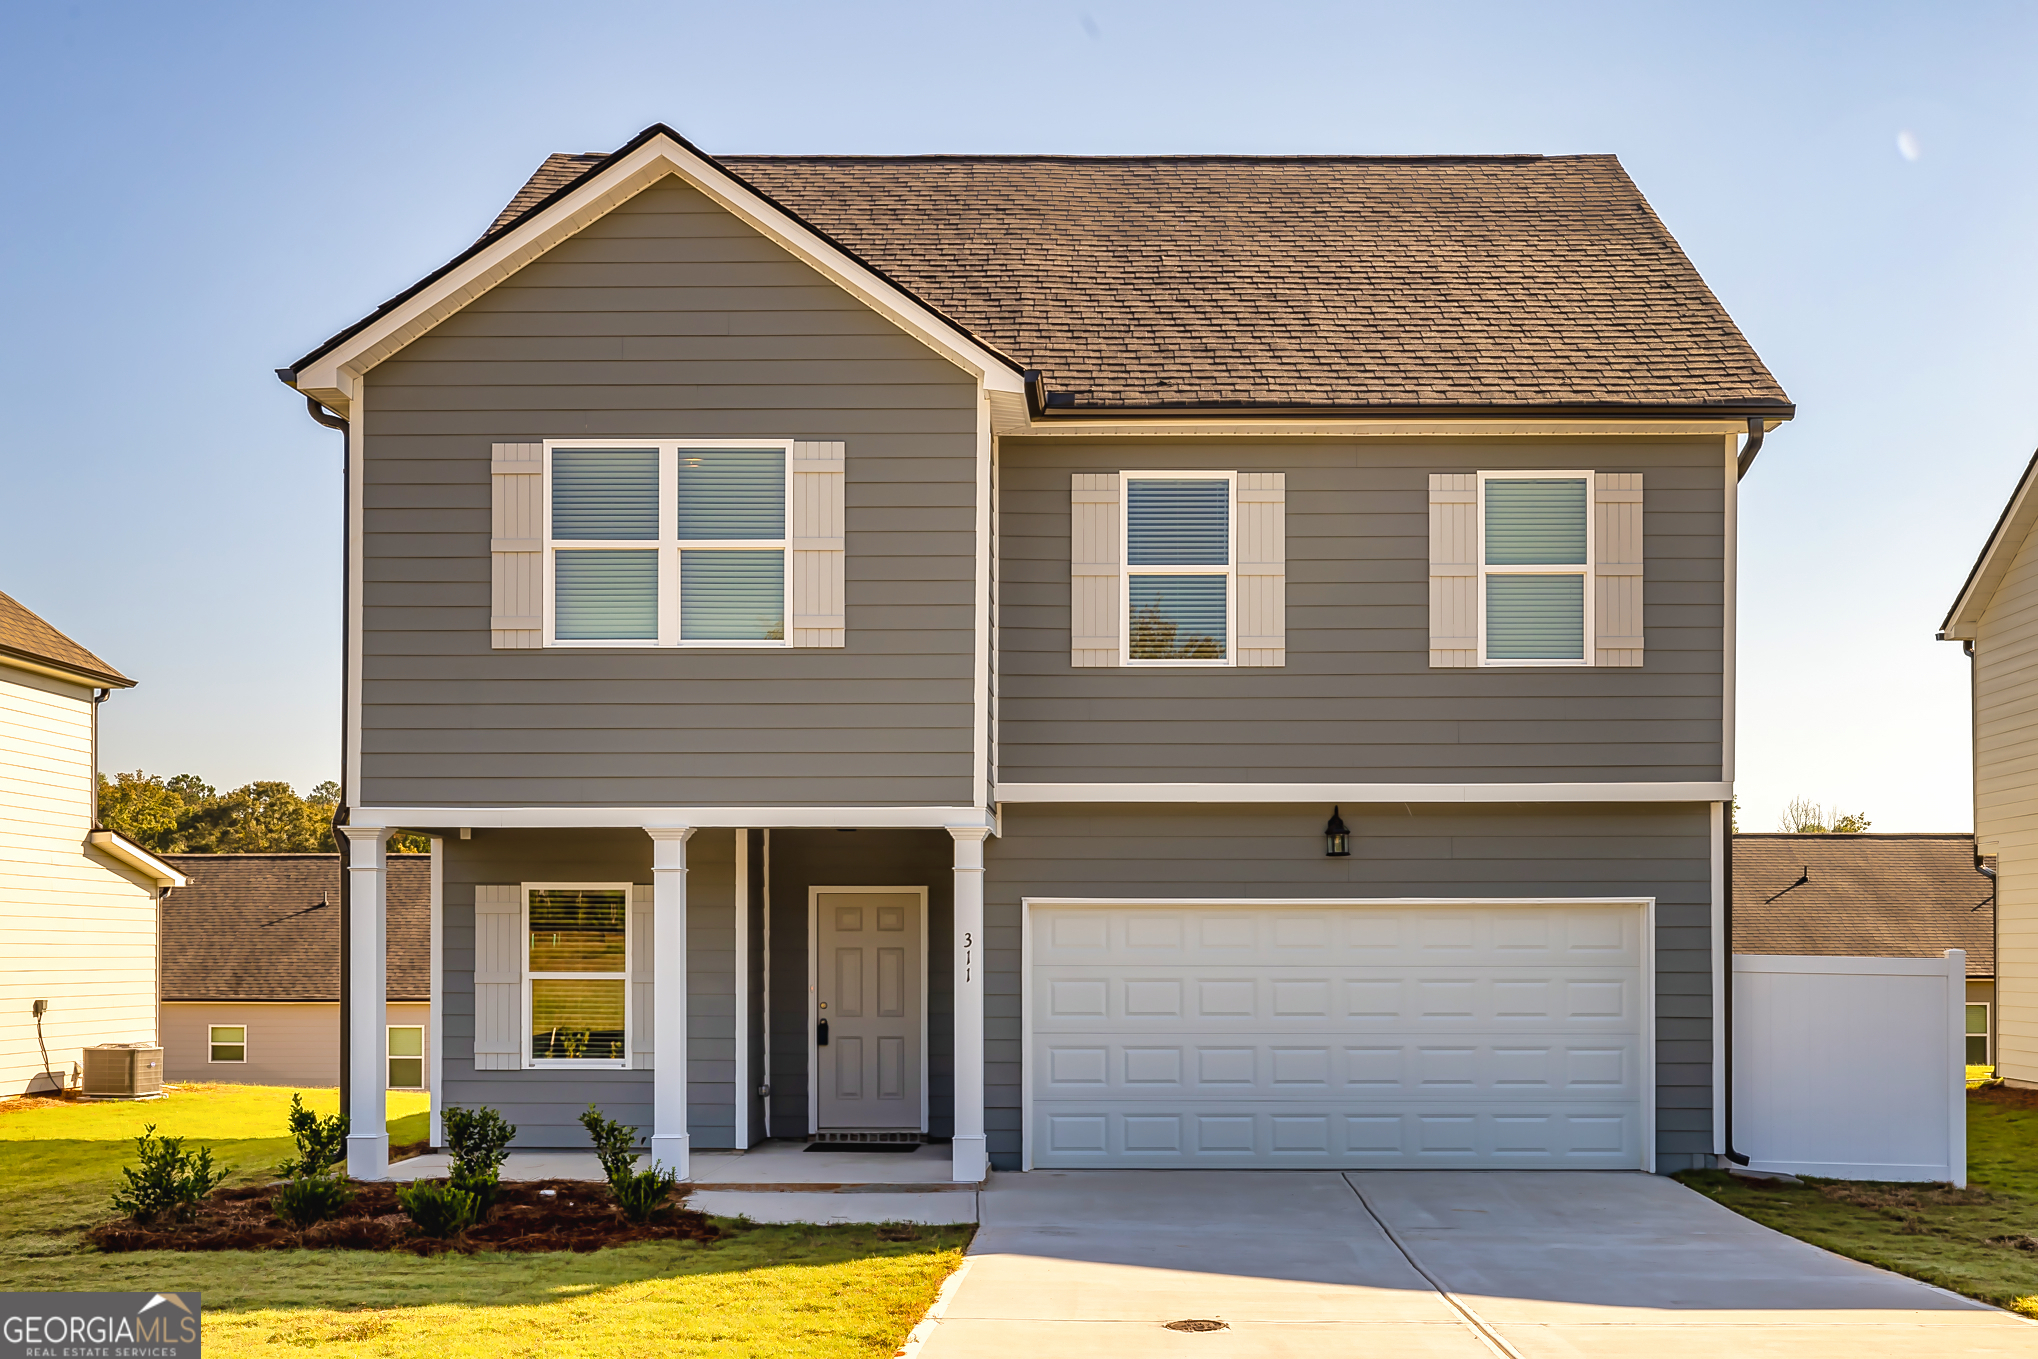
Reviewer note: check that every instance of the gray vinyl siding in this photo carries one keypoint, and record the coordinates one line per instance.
(546, 1104)
(1659, 850)
(668, 318)
(805, 859)
(1357, 701)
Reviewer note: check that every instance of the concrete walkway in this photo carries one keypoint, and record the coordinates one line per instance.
(776, 1182)
(1427, 1265)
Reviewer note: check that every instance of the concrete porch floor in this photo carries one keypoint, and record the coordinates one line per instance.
(776, 1182)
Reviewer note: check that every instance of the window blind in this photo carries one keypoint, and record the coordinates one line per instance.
(604, 493)
(1177, 618)
(1535, 522)
(1178, 522)
(601, 594)
(1535, 618)
(731, 493)
(731, 595)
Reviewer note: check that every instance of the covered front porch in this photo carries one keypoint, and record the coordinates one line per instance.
(717, 986)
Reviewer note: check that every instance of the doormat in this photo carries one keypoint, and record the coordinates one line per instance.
(863, 1146)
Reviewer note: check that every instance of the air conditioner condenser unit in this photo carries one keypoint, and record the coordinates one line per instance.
(123, 1071)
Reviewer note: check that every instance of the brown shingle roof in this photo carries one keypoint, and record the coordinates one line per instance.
(1869, 896)
(267, 927)
(24, 634)
(1311, 281)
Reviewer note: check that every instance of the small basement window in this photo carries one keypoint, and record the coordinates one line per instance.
(229, 1042)
(406, 1057)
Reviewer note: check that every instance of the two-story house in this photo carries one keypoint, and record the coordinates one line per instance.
(1109, 661)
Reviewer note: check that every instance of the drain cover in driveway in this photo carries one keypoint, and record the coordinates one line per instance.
(1196, 1326)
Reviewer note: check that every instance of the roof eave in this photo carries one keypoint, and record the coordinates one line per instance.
(1964, 618)
(117, 846)
(107, 678)
(330, 372)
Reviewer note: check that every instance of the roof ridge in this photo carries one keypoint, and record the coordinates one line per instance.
(1195, 157)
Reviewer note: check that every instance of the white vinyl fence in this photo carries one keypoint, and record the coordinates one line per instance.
(1853, 1068)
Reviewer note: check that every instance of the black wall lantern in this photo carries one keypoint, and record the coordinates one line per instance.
(1337, 837)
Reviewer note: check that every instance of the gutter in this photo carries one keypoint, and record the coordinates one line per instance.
(331, 421)
(1727, 929)
(1051, 406)
(1749, 449)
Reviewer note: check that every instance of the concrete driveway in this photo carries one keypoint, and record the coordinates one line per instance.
(1421, 1264)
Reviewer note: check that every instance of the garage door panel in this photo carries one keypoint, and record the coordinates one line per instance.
(1160, 998)
(1103, 1066)
(1391, 936)
(1439, 1137)
(1337, 1037)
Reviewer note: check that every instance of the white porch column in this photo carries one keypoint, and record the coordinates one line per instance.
(367, 945)
(971, 1160)
(669, 1144)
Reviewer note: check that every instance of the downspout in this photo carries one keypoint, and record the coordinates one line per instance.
(1727, 929)
(1751, 448)
(98, 698)
(1995, 884)
(331, 421)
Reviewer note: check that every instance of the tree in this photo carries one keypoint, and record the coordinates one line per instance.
(1802, 816)
(184, 814)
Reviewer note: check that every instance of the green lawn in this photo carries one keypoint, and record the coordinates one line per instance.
(762, 1291)
(1981, 1241)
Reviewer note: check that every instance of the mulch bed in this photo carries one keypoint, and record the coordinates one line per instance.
(580, 1218)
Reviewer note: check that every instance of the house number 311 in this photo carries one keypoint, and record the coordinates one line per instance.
(968, 942)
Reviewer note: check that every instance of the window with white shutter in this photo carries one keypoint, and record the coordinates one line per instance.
(498, 977)
(1177, 605)
(1535, 569)
(679, 543)
(577, 974)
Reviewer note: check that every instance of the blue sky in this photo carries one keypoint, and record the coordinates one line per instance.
(198, 193)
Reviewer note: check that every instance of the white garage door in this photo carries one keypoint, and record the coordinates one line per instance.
(1340, 1036)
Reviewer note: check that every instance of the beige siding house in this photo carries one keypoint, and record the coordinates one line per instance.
(78, 905)
(1996, 620)
(251, 971)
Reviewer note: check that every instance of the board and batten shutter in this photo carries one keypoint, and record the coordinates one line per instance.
(642, 1015)
(1617, 568)
(814, 536)
(517, 546)
(1453, 569)
(498, 977)
(1096, 564)
(1262, 568)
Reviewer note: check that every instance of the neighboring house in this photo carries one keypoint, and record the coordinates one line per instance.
(1993, 620)
(77, 904)
(251, 970)
(881, 641)
(1872, 896)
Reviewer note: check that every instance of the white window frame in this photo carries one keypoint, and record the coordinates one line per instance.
(1988, 1030)
(629, 958)
(421, 1059)
(1589, 569)
(210, 1044)
(1126, 570)
(668, 545)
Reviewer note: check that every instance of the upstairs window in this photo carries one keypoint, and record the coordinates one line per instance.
(1178, 600)
(1535, 568)
(671, 543)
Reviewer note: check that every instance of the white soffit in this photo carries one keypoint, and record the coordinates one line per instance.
(117, 846)
(331, 374)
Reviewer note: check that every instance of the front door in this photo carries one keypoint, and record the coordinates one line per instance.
(868, 989)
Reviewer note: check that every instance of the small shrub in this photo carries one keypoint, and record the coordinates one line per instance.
(310, 1198)
(482, 1186)
(439, 1208)
(478, 1140)
(638, 1193)
(169, 1182)
(320, 1141)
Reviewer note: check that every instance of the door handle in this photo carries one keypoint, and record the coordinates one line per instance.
(822, 1039)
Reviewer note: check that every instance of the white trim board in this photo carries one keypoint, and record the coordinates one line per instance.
(333, 374)
(703, 818)
(1646, 1002)
(114, 845)
(1365, 792)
